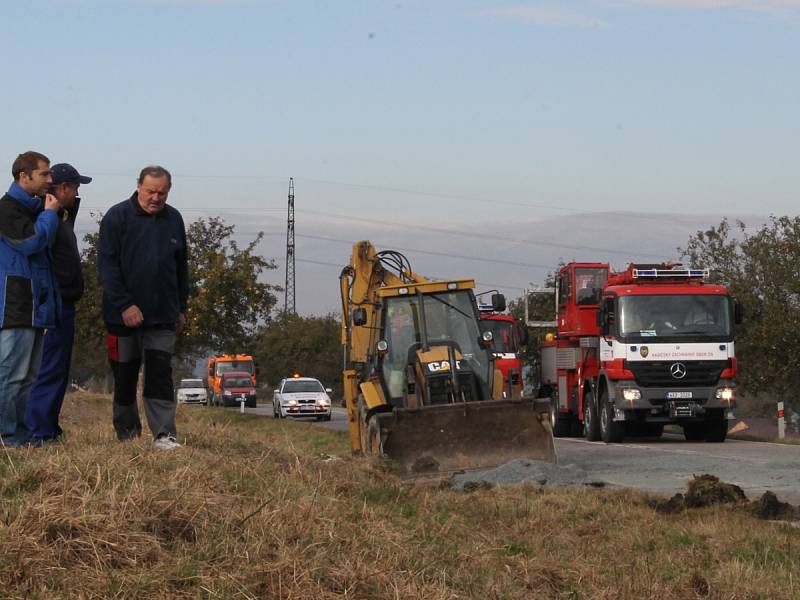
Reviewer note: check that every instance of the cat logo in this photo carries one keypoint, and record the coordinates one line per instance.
(444, 365)
(644, 351)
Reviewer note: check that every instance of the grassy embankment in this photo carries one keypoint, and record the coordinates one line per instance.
(254, 508)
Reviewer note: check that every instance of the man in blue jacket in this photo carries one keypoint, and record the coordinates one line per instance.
(143, 269)
(29, 300)
(47, 395)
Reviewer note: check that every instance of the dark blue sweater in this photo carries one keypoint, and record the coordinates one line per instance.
(142, 260)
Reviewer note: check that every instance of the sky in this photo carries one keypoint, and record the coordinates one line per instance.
(509, 119)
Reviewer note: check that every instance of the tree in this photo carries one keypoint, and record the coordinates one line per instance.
(89, 356)
(762, 271)
(228, 302)
(310, 346)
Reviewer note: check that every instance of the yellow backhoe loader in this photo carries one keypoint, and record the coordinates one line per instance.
(419, 377)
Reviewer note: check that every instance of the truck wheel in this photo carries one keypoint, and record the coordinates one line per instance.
(558, 422)
(612, 432)
(716, 430)
(653, 429)
(694, 432)
(591, 428)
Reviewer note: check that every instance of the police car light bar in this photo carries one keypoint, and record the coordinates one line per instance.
(661, 273)
(485, 308)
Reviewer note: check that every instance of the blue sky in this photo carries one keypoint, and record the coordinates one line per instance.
(411, 111)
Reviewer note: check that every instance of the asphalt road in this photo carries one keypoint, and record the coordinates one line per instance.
(665, 465)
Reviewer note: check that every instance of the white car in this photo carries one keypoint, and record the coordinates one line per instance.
(301, 397)
(191, 391)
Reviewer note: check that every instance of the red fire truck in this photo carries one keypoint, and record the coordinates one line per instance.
(636, 350)
(507, 342)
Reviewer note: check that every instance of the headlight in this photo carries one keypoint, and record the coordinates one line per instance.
(291, 402)
(226, 393)
(323, 401)
(631, 394)
(726, 393)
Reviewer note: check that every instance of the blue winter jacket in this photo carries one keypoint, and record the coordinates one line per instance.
(28, 293)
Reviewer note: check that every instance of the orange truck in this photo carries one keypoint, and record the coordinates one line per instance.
(225, 363)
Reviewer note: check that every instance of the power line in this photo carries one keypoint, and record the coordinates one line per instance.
(493, 201)
(473, 235)
(430, 252)
(339, 266)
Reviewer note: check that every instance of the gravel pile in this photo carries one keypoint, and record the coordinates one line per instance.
(523, 471)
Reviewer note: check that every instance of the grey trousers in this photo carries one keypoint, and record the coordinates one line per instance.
(125, 353)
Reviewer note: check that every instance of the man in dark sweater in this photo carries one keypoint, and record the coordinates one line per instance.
(47, 395)
(143, 269)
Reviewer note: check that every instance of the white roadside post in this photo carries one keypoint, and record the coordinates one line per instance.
(241, 405)
(781, 422)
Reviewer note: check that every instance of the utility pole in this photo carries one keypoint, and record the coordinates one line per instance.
(289, 302)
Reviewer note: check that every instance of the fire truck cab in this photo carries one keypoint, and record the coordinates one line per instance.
(508, 338)
(639, 349)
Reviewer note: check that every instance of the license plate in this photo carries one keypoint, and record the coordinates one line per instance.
(672, 395)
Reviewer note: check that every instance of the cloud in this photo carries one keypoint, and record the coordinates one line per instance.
(543, 16)
(764, 6)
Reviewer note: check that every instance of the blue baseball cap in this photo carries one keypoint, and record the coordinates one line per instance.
(66, 173)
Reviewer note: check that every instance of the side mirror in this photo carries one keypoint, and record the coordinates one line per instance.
(738, 313)
(498, 302)
(328, 391)
(359, 317)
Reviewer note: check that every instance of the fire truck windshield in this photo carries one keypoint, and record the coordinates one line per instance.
(503, 335)
(689, 317)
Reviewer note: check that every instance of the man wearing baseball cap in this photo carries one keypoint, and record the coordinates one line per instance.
(47, 395)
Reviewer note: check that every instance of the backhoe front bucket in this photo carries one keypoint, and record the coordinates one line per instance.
(442, 439)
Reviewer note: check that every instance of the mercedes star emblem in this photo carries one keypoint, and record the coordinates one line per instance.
(678, 370)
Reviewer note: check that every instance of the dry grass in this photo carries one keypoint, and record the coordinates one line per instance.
(256, 508)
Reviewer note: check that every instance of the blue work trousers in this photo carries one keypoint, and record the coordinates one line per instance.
(47, 395)
(20, 358)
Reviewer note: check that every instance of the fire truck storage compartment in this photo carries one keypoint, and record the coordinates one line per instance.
(549, 365)
(567, 358)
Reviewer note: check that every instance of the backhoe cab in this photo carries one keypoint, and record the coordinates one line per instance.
(420, 381)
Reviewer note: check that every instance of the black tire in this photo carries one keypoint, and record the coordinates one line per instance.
(326, 418)
(274, 412)
(560, 423)
(716, 430)
(612, 432)
(653, 429)
(694, 432)
(591, 427)
(575, 427)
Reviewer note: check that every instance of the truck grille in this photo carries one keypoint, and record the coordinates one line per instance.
(658, 374)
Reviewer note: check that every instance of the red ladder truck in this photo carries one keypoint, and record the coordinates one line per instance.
(636, 350)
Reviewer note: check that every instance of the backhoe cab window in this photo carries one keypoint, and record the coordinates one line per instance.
(680, 316)
(449, 316)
